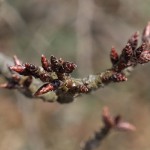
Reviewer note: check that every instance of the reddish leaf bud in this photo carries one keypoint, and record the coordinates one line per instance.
(144, 57)
(20, 69)
(44, 89)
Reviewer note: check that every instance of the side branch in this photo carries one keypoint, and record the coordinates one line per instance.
(110, 123)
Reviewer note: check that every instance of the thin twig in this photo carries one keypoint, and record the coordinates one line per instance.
(110, 123)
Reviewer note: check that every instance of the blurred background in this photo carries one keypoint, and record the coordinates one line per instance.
(82, 31)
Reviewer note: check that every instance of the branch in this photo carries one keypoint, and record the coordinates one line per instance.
(55, 81)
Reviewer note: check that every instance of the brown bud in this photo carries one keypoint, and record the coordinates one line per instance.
(32, 70)
(31, 67)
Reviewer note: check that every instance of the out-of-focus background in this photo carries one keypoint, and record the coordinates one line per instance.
(82, 31)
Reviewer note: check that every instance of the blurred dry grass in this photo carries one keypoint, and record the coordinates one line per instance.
(82, 31)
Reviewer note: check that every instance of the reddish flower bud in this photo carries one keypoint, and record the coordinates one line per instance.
(83, 89)
(134, 40)
(114, 56)
(68, 67)
(144, 57)
(139, 50)
(127, 52)
(45, 63)
(118, 77)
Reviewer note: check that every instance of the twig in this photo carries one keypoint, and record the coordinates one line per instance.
(109, 124)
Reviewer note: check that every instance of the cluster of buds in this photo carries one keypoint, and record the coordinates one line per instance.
(59, 66)
(53, 72)
(131, 54)
(16, 81)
